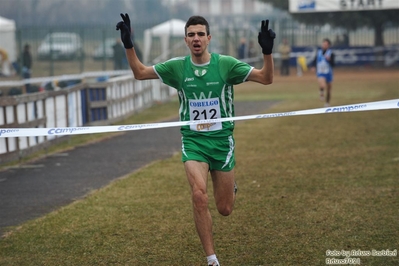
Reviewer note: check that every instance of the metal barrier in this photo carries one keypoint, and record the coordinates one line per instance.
(87, 103)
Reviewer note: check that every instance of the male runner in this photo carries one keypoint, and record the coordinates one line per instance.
(204, 82)
(324, 63)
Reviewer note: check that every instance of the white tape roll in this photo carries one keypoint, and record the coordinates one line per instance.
(62, 131)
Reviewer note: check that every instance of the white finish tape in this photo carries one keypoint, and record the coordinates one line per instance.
(62, 131)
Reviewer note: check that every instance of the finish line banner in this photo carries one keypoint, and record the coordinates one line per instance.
(310, 6)
(64, 131)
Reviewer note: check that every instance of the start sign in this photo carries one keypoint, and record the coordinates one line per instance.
(308, 6)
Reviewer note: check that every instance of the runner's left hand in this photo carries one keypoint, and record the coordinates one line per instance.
(266, 37)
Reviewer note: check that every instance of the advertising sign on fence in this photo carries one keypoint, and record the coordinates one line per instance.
(351, 56)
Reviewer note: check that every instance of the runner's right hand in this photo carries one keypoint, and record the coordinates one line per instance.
(124, 27)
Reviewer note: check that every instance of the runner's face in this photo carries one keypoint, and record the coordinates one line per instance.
(325, 45)
(197, 40)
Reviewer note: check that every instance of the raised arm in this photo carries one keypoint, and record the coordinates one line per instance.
(140, 70)
(266, 40)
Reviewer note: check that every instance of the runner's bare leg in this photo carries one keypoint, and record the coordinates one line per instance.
(223, 191)
(328, 95)
(322, 86)
(197, 176)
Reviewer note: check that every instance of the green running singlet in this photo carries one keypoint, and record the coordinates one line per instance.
(205, 91)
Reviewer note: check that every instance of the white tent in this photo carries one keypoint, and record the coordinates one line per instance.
(173, 27)
(7, 38)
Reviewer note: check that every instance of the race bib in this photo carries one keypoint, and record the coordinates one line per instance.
(205, 109)
(322, 67)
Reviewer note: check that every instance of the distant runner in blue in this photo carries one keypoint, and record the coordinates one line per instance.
(324, 63)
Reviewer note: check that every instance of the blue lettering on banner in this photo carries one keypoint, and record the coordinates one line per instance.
(6, 131)
(276, 115)
(204, 103)
(348, 108)
(206, 121)
(66, 131)
(134, 127)
(307, 5)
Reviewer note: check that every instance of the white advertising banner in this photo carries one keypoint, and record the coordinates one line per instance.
(309, 6)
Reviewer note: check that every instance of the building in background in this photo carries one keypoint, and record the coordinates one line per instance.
(225, 8)
(228, 7)
(230, 20)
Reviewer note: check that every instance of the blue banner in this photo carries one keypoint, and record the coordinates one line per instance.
(351, 56)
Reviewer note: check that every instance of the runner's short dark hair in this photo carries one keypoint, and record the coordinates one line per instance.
(197, 20)
(327, 40)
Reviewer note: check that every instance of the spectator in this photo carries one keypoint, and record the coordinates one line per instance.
(285, 51)
(26, 63)
(345, 39)
(4, 63)
(119, 54)
(242, 49)
(252, 51)
(337, 41)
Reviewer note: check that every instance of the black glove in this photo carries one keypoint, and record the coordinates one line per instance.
(124, 27)
(266, 37)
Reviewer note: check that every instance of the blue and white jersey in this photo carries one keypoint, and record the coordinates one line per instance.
(323, 66)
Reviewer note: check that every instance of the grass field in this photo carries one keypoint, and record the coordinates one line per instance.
(307, 185)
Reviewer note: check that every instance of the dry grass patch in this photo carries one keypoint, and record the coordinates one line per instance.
(306, 184)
